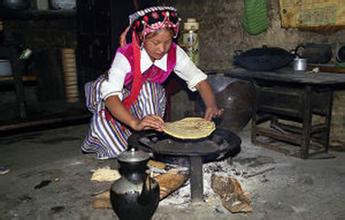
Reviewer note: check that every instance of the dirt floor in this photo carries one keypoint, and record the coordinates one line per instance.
(50, 179)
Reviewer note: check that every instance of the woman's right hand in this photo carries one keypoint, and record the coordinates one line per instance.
(148, 122)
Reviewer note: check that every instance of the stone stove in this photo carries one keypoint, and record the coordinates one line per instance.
(221, 144)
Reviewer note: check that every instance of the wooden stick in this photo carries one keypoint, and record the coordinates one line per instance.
(259, 172)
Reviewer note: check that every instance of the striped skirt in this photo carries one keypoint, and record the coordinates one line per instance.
(107, 137)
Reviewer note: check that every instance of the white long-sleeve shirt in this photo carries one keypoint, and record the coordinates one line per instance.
(184, 68)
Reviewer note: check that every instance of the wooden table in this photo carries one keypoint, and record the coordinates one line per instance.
(293, 97)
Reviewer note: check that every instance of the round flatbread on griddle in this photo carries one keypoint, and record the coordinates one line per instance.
(189, 128)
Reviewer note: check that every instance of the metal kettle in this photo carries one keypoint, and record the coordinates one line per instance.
(135, 195)
(299, 62)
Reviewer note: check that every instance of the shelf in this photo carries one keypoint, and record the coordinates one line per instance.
(37, 14)
(24, 78)
(331, 68)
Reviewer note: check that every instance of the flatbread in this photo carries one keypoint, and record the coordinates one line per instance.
(105, 174)
(189, 128)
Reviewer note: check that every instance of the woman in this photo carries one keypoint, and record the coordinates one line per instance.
(130, 97)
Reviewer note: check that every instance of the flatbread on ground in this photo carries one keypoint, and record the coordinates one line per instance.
(189, 128)
(105, 174)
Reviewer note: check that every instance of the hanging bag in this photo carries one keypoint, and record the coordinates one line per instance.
(255, 19)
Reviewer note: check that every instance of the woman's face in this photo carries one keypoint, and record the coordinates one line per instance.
(157, 44)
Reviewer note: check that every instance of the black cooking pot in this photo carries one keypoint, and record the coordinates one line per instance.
(340, 54)
(315, 53)
(263, 59)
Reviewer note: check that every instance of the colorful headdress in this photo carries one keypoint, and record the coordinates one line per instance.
(142, 23)
(151, 19)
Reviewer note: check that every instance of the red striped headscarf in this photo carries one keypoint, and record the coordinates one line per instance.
(142, 23)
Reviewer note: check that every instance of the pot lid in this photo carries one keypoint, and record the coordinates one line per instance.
(133, 156)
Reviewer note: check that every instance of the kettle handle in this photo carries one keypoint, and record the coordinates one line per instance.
(296, 50)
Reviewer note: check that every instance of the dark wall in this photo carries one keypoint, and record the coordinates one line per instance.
(45, 37)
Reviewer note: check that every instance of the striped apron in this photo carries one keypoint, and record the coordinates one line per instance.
(107, 137)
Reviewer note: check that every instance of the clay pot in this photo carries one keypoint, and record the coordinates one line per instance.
(237, 99)
(235, 96)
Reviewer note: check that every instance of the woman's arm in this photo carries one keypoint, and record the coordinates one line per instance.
(114, 86)
(196, 80)
(207, 96)
(118, 110)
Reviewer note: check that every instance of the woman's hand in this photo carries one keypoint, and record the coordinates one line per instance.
(148, 122)
(213, 112)
(206, 93)
(116, 108)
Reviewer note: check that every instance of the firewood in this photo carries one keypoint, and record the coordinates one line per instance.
(156, 164)
(168, 183)
(101, 200)
(233, 197)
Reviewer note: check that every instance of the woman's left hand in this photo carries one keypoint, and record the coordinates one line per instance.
(213, 112)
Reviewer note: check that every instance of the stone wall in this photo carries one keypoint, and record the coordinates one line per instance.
(221, 34)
